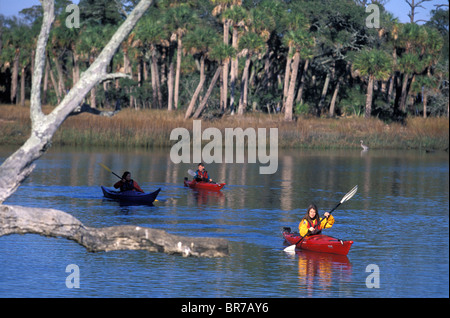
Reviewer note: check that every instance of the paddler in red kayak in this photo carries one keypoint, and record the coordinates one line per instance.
(308, 224)
(201, 175)
(127, 184)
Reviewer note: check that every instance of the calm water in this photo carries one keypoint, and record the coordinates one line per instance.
(398, 221)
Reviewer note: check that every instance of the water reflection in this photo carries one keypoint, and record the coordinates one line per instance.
(205, 197)
(302, 176)
(321, 270)
(399, 192)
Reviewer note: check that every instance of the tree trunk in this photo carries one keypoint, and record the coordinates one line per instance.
(425, 103)
(287, 75)
(178, 70)
(54, 83)
(154, 92)
(224, 90)
(324, 92)
(288, 113)
(59, 71)
(404, 95)
(199, 88)
(15, 77)
(267, 81)
(226, 64)
(170, 81)
(76, 67)
(368, 109)
(202, 105)
(244, 85)
(234, 69)
(156, 87)
(55, 223)
(44, 92)
(93, 97)
(145, 70)
(390, 89)
(22, 86)
(334, 98)
(299, 98)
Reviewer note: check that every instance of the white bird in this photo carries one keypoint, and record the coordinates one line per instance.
(364, 147)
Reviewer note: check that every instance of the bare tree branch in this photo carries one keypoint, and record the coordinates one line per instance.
(112, 76)
(35, 99)
(85, 108)
(19, 165)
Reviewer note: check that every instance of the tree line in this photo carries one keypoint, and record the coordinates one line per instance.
(212, 57)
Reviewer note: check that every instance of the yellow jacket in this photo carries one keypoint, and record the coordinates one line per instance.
(305, 225)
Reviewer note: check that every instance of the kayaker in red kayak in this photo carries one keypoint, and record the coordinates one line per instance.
(127, 184)
(201, 175)
(308, 224)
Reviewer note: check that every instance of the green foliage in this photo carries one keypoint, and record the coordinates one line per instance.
(376, 63)
(352, 104)
(302, 109)
(200, 40)
(99, 12)
(221, 51)
(330, 34)
(252, 42)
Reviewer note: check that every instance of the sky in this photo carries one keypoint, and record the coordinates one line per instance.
(399, 8)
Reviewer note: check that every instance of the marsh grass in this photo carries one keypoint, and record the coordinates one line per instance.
(152, 128)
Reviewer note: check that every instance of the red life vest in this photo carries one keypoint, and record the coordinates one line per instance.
(318, 229)
(202, 174)
(312, 224)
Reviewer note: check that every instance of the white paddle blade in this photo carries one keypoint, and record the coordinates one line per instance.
(191, 172)
(350, 194)
(290, 249)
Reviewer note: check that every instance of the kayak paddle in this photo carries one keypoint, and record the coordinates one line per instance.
(107, 169)
(346, 197)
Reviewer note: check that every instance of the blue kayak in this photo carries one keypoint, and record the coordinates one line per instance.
(131, 196)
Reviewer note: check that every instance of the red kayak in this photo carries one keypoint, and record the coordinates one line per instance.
(318, 243)
(204, 185)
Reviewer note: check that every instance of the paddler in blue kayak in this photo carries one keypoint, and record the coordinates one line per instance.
(127, 184)
(201, 175)
(308, 224)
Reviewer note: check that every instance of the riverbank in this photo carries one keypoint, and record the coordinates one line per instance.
(152, 128)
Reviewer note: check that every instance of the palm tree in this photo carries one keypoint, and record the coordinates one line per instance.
(236, 14)
(25, 61)
(261, 22)
(11, 52)
(376, 65)
(299, 42)
(91, 41)
(296, 37)
(253, 44)
(199, 42)
(178, 19)
(219, 53)
(410, 37)
(151, 31)
(219, 7)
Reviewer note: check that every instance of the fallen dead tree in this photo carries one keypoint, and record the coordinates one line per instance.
(55, 223)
